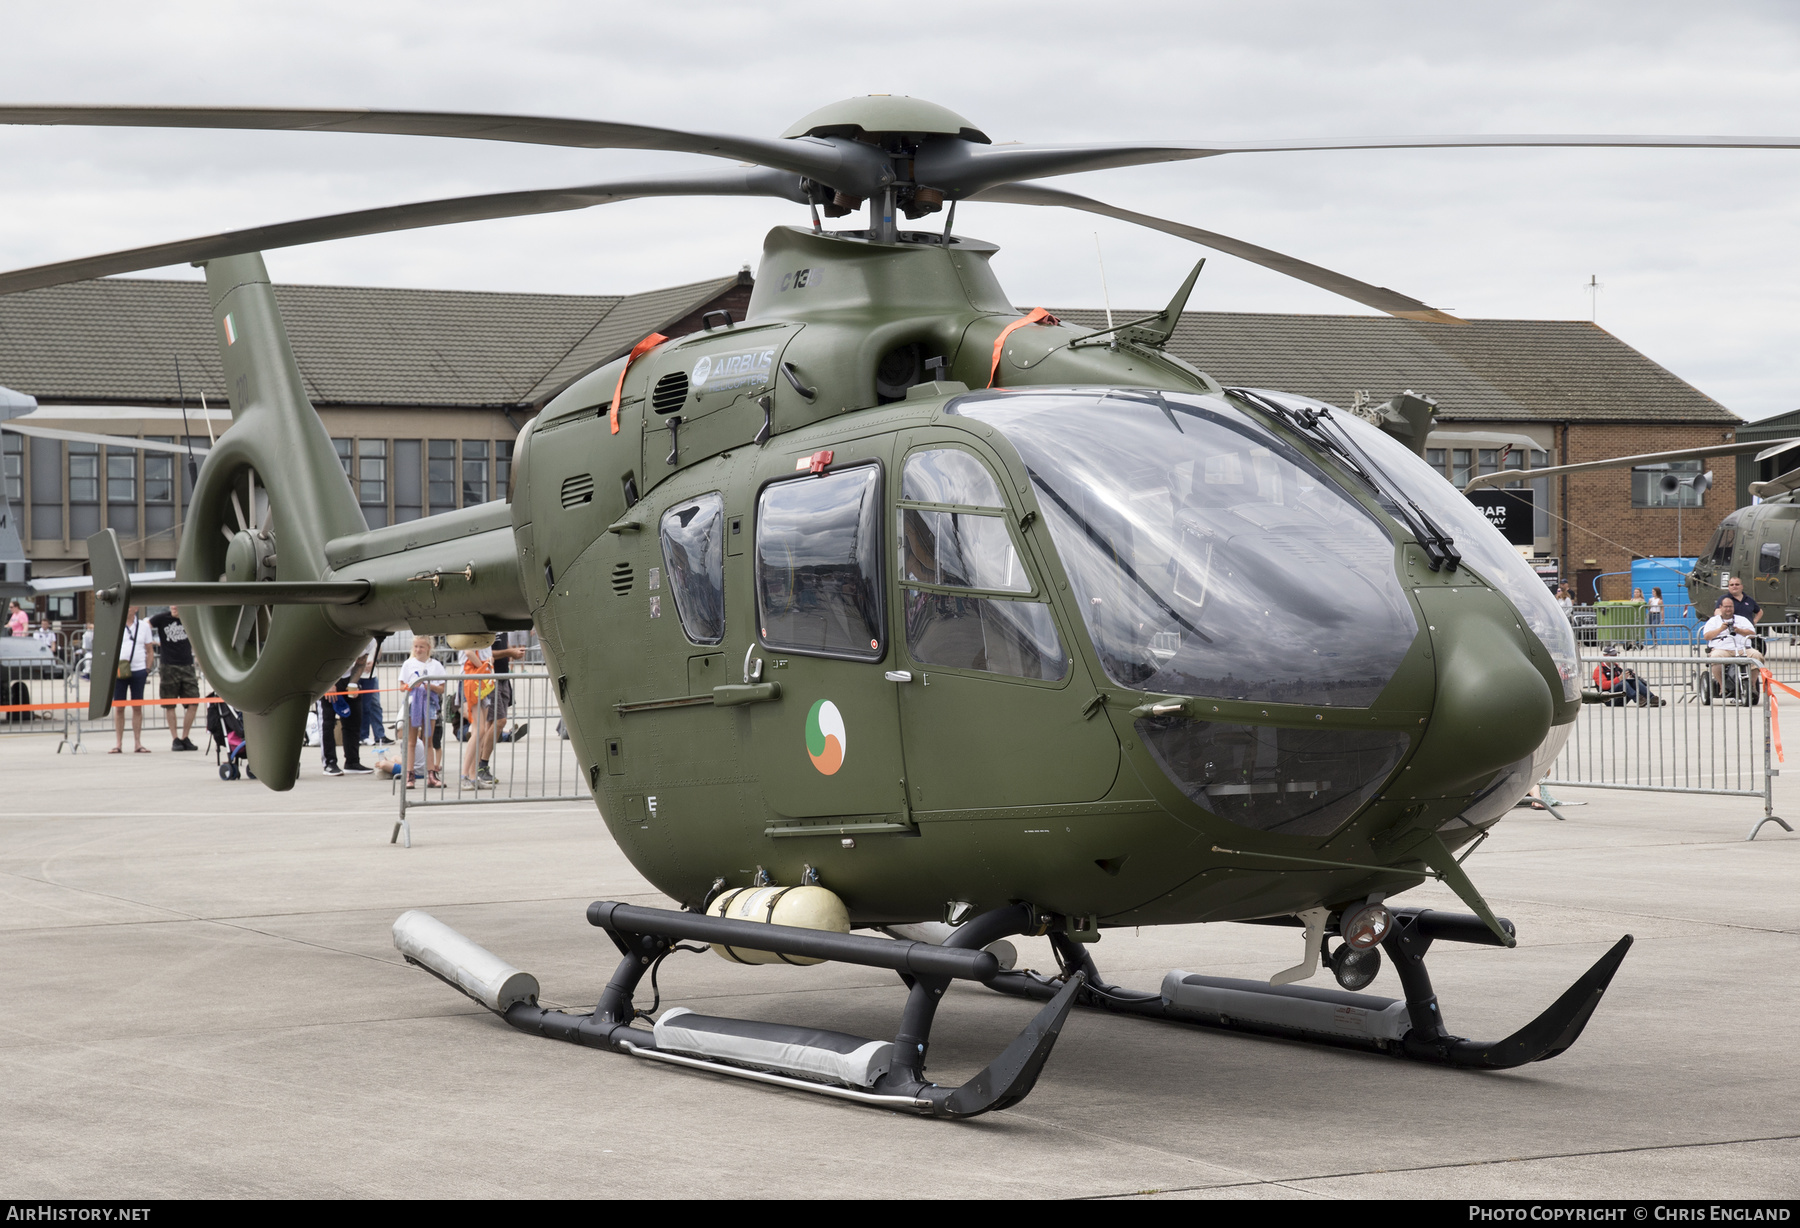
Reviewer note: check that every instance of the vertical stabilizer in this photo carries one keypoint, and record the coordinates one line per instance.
(268, 498)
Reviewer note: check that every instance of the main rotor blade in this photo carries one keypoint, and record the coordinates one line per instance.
(390, 218)
(820, 159)
(1379, 297)
(962, 168)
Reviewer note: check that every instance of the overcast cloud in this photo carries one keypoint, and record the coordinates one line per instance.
(1696, 250)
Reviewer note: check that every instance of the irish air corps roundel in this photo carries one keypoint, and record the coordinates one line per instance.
(825, 737)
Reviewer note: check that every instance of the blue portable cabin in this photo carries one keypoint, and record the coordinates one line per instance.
(1670, 575)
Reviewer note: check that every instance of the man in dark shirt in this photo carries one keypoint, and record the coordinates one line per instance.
(180, 680)
(1743, 602)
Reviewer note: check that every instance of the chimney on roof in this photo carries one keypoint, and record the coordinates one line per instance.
(745, 277)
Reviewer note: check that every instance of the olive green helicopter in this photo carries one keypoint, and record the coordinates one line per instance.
(890, 622)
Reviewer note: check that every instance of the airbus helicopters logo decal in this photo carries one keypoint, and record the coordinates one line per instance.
(723, 372)
(825, 740)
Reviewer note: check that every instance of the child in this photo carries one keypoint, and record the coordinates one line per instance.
(478, 707)
(422, 704)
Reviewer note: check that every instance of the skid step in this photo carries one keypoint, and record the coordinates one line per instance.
(1333, 1013)
(804, 1053)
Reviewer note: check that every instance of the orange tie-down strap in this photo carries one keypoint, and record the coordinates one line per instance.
(637, 351)
(1037, 315)
(1769, 686)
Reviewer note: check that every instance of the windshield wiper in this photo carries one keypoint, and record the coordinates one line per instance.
(1316, 425)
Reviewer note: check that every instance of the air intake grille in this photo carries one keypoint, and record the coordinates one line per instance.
(621, 578)
(578, 490)
(670, 393)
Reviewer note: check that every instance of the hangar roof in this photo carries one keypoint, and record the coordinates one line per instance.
(116, 339)
(1488, 370)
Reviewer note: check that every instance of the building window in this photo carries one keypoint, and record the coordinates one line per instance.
(121, 476)
(441, 475)
(1490, 460)
(1461, 467)
(1435, 458)
(503, 451)
(371, 472)
(84, 473)
(159, 473)
(1647, 485)
(343, 453)
(474, 472)
(12, 466)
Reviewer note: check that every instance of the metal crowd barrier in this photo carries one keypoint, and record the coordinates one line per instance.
(1683, 737)
(538, 767)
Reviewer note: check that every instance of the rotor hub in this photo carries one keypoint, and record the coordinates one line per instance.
(250, 556)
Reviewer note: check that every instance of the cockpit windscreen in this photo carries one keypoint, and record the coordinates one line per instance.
(1208, 556)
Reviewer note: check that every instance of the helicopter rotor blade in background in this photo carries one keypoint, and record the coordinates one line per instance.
(779, 184)
(1379, 297)
(964, 168)
(818, 159)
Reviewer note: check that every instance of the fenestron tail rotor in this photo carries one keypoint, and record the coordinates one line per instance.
(250, 556)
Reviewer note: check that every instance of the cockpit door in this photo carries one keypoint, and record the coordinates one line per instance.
(994, 701)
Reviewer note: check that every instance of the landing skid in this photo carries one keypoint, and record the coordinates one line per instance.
(1412, 1027)
(888, 1075)
(891, 1075)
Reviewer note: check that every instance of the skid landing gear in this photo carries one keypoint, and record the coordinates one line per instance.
(1412, 1027)
(883, 1074)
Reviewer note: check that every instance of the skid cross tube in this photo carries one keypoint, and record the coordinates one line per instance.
(912, 958)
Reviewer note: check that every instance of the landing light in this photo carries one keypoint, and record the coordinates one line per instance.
(1365, 926)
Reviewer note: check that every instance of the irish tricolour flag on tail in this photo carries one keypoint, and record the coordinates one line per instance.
(230, 330)
(825, 739)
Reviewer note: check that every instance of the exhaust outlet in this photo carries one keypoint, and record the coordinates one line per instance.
(453, 959)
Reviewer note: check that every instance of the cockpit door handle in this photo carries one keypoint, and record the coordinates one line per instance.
(898, 675)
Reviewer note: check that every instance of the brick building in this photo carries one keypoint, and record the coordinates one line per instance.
(1548, 392)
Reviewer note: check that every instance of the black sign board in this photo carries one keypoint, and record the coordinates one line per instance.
(1510, 511)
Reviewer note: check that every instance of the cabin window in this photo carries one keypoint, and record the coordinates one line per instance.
(1768, 559)
(818, 564)
(957, 560)
(693, 543)
(1723, 542)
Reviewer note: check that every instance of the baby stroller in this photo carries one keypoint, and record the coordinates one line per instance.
(225, 726)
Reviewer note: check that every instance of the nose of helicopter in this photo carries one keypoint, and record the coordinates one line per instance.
(1493, 705)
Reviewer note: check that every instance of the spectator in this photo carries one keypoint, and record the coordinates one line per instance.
(17, 622)
(1623, 686)
(135, 658)
(180, 679)
(374, 721)
(342, 709)
(1654, 609)
(421, 706)
(509, 646)
(1566, 602)
(478, 709)
(1746, 605)
(1730, 635)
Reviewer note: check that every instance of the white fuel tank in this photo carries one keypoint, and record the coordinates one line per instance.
(809, 908)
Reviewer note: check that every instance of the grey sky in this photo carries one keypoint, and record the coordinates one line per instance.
(1696, 250)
